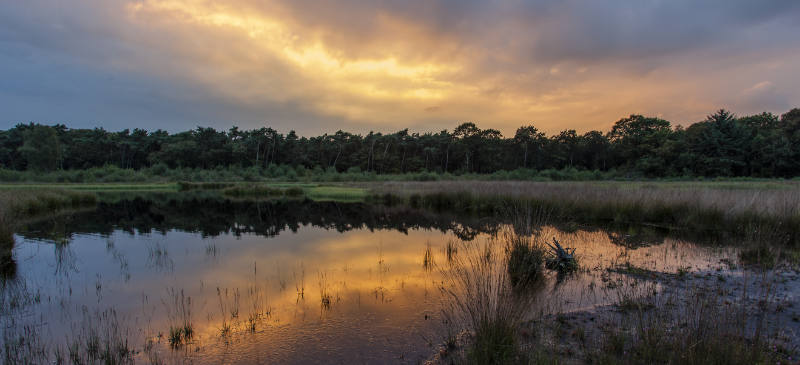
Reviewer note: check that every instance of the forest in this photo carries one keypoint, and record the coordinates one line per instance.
(723, 145)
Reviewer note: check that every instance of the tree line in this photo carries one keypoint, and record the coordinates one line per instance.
(762, 145)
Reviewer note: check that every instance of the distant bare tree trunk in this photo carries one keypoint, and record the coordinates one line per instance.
(447, 158)
(337, 156)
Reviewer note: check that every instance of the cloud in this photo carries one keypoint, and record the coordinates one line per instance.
(385, 65)
(764, 95)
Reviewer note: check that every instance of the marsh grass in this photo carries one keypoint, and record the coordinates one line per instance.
(252, 191)
(179, 313)
(480, 298)
(699, 208)
(186, 185)
(635, 295)
(450, 250)
(226, 328)
(294, 191)
(336, 193)
(325, 292)
(427, 258)
(300, 281)
(22, 204)
(759, 256)
(694, 325)
(99, 338)
(18, 206)
(6, 246)
(525, 260)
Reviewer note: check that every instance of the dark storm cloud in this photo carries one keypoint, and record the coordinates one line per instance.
(582, 64)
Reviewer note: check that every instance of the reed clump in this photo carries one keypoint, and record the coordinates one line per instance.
(480, 298)
(179, 312)
(525, 261)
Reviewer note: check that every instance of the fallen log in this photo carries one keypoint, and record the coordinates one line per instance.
(561, 259)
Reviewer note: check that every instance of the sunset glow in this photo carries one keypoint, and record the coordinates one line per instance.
(360, 66)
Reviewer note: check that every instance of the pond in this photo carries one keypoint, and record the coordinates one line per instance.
(286, 281)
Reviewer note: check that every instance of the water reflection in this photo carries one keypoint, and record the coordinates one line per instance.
(290, 281)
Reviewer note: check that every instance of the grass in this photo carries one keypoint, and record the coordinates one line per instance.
(252, 191)
(186, 185)
(336, 193)
(698, 208)
(316, 192)
(313, 192)
(179, 313)
(100, 338)
(525, 261)
(694, 326)
(325, 294)
(18, 206)
(481, 298)
(687, 324)
(758, 256)
(94, 186)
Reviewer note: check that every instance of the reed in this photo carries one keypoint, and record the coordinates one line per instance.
(480, 298)
(179, 312)
(525, 260)
(694, 325)
(17, 206)
(727, 209)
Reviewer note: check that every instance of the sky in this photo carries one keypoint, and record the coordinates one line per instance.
(385, 65)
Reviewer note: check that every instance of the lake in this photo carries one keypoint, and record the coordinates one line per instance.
(289, 281)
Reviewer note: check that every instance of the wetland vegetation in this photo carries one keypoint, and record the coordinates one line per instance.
(463, 264)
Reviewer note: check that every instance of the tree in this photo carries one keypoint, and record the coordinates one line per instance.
(527, 138)
(594, 150)
(637, 138)
(41, 148)
(718, 145)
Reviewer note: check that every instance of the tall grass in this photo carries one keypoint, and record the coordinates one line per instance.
(162, 173)
(695, 325)
(480, 298)
(689, 207)
(100, 338)
(525, 261)
(179, 312)
(19, 205)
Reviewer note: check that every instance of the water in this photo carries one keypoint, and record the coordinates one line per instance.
(289, 281)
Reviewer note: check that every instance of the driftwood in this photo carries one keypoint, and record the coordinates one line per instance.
(562, 259)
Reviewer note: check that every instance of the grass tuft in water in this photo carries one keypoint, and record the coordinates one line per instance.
(179, 313)
(480, 298)
(525, 261)
(427, 259)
